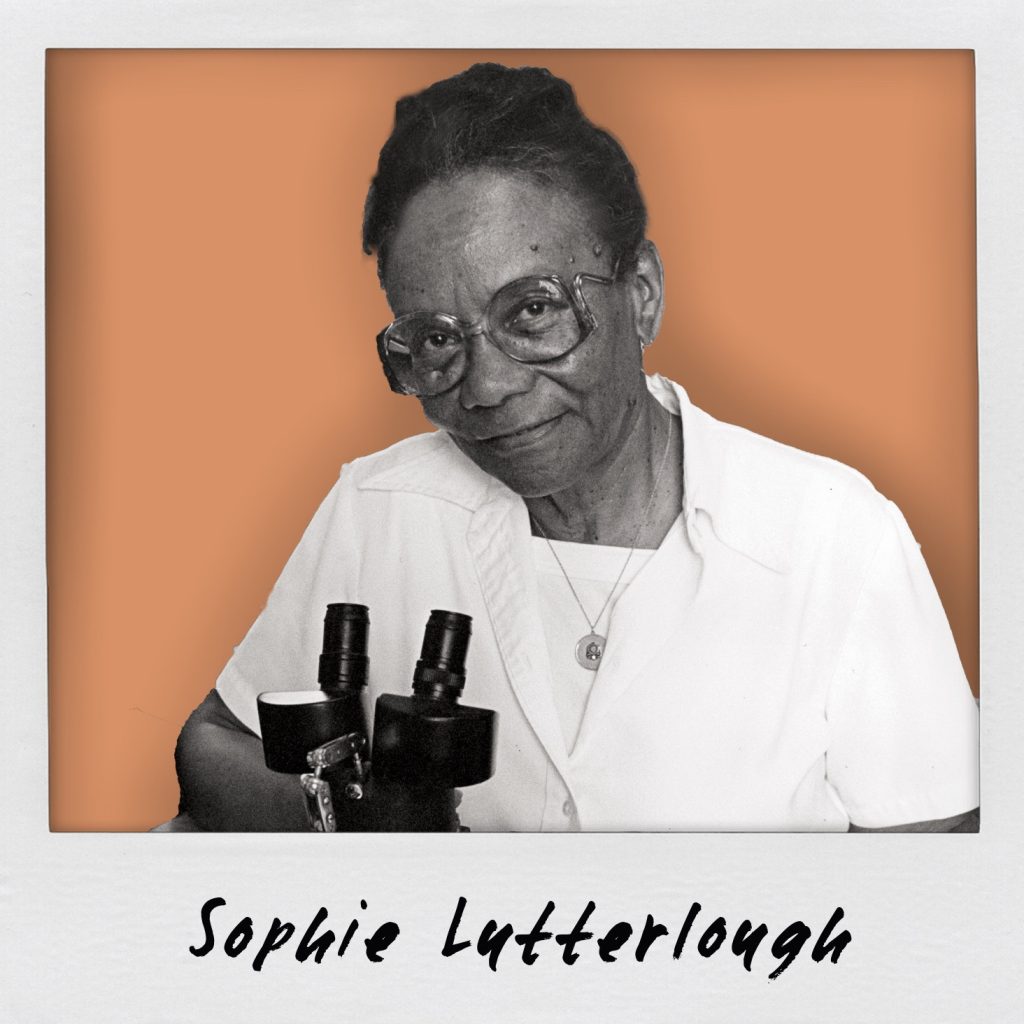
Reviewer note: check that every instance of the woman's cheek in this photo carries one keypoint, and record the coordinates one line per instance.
(438, 411)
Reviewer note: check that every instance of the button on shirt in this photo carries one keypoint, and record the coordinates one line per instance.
(801, 676)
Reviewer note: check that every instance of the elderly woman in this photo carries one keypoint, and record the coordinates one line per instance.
(682, 625)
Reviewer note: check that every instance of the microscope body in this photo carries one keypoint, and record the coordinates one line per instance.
(426, 745)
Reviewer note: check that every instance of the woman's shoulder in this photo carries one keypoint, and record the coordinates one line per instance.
(402, 453)
(782, 500)
(724, 455)
(794, 470)
(427, 464)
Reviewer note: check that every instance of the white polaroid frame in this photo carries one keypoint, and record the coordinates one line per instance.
(98, 926)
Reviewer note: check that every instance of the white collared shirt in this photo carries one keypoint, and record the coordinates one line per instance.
(803, 677)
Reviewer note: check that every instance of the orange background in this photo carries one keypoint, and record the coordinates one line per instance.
(211, 317)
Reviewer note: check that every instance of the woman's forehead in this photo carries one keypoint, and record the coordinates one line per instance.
(459, 241)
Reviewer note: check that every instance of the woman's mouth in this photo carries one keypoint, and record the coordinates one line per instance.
(521, 438)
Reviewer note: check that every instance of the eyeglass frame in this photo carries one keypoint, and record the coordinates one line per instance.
(584, 317)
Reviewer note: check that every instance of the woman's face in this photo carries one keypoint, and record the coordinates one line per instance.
(542, 427)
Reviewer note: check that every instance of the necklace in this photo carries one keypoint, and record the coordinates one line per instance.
(590, 648)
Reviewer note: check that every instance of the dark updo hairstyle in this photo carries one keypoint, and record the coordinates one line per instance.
(509, 119)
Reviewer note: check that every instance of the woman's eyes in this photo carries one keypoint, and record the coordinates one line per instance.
(535, 313)
(437, 340)
(523, 314)
(535, 308)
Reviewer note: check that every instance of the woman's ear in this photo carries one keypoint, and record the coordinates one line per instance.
(648, 292)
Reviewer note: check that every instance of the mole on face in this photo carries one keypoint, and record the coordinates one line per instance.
(534, 247)
(598, 248)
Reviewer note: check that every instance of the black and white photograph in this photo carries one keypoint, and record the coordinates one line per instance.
(668, 622)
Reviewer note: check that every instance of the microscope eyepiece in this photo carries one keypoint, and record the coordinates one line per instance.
(441, 670)
(344, 663)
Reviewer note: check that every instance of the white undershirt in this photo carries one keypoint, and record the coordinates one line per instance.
(593, 569)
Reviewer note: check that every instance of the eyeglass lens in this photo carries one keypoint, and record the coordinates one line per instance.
(530, 320)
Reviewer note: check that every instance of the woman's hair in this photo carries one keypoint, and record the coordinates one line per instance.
(509, 119)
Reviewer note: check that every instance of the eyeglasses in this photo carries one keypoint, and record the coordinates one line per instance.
(531, 320)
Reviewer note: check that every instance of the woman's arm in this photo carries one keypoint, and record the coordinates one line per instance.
(966, 822)
(225, 785)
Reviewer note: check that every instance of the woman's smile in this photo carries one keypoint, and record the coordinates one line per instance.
(523, 437)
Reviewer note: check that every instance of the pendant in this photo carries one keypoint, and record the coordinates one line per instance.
(590, 650)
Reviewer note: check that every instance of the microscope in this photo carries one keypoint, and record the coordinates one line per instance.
(425, 745)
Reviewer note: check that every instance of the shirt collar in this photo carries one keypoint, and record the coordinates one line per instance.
(431, 465)
(726, 476)
(731, 476)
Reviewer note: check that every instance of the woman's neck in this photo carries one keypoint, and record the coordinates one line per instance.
(632, 499)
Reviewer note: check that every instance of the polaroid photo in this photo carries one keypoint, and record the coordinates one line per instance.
(831, 207)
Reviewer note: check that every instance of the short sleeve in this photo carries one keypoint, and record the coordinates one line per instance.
(903, 724)
(281, 649)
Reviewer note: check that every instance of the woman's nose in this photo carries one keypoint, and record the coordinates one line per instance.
(491, 377)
